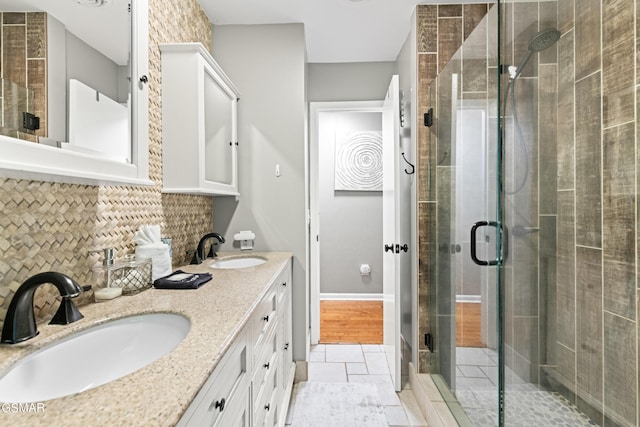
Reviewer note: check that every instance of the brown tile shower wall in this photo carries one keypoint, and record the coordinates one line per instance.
(595, 281)
(51, 226)
(24, 63)
(441, 30)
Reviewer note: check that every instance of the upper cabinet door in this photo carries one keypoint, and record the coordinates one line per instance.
(199, 123)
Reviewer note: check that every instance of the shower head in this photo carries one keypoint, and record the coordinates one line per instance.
(542, 40)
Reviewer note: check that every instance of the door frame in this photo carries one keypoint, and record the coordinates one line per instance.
(316, 108)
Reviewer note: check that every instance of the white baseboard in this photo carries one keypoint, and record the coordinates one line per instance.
(476, 299)
(351, 297)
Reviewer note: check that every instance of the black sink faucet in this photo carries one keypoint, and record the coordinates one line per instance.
(20, 322)
(198, 257)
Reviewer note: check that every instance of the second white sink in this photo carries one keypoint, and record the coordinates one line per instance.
(234, 262)
(95, 356)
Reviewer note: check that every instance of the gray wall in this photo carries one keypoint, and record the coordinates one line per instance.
(267, 64)
(357, 81)
(350, 221)
(57, 80)
(92, 68)
(71, 58)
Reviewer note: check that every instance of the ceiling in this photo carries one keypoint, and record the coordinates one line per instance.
(336, 30)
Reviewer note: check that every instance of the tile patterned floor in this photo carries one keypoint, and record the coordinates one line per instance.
(526, 404)
(347, 363)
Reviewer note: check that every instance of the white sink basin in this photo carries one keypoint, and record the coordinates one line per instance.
(92, 357)
(238, 262)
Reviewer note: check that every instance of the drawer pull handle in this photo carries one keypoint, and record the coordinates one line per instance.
(286, 346)
(266, 365)
(267, 407)
(284, 284)
(266, 318)
(220, 404)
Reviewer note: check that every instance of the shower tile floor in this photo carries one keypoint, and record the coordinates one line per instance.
(526, 404)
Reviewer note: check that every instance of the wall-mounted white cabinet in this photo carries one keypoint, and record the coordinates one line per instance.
(199, 123)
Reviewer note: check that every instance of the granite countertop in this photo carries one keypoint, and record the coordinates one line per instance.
(159, 393)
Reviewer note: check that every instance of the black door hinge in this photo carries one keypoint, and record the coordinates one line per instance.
(428, 118)
(428, 341)
(30, 121)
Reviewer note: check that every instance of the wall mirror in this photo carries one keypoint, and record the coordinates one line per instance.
(73, 91)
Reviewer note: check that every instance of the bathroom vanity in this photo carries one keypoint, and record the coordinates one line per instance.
(234, 367)
(251, 386)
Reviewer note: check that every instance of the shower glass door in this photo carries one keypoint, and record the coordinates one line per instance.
(464, 165)
(535, 133)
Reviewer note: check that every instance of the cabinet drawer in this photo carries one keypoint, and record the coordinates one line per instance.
(227, 384)
(263, 402)
(266, 364)
(272, 414)
(236, 414)
(283, 287)
(264, 321)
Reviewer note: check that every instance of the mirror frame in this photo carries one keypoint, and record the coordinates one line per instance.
(28, 160)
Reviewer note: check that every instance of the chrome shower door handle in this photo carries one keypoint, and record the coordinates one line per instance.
(503, 242)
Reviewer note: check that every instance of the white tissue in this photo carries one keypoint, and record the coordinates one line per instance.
(244, 235)
(147, 235)
(245, 238)
(149, 245)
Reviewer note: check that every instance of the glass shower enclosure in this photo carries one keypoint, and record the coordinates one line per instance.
(533, 241)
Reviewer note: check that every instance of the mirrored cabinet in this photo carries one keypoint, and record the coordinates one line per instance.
(75, 97)
(199, 123)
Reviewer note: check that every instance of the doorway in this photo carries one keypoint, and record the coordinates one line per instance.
(346, 222)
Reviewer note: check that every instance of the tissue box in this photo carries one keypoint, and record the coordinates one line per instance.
(132, 275)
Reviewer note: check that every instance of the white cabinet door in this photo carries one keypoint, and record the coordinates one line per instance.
(226, 390)
(199, 123)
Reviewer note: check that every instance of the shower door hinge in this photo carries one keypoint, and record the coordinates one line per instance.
(401, 109)
(428, 118)
(428, 341)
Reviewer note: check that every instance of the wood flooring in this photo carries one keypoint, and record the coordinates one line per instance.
(468, 325)
(350, 322)
(360, 322)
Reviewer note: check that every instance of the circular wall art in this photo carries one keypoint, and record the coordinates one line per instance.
(359, 162)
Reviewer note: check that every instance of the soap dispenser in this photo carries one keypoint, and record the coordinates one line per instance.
(103, 291)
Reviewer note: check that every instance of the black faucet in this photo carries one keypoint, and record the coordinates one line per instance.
(198, 256)
(20, 322)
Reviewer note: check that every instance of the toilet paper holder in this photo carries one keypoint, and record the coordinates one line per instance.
(245, 238)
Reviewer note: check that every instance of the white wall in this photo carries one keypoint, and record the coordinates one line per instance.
(71, 58)
(350, 221)
(267, 65)
(357, 81)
